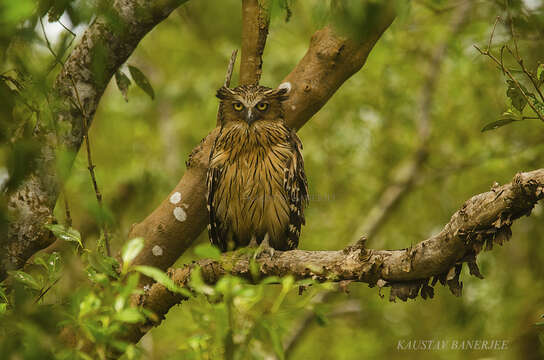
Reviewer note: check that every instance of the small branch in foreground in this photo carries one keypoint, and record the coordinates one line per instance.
(482, 221)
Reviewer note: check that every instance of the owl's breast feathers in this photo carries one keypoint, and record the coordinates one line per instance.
(256, 185)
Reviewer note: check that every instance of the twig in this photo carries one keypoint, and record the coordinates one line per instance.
(42, 294)
(228, 77)
(91, 166)
(505, 70)
(509, 74)
(57, 60)
(518, 58)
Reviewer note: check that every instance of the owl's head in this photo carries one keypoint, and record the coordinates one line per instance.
(251, 103)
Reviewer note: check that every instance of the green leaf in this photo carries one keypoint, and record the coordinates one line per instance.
(163, 279)
(123, 82)
(540, 73)
(207, 251)
(25, 278)
(516, 96)
(66, 234)
(103, 264)
(129, 315)
(51, 264)
(3, 308)
(141, 80)
(130, 251)
(497, 124)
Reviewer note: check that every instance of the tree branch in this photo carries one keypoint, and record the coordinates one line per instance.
(482, 221)
(255, 21)
(330, 60)
(105, 46)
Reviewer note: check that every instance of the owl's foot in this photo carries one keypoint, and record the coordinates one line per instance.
(263, 248)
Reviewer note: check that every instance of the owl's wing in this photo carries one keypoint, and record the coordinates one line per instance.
(216, 229)
(296, 188)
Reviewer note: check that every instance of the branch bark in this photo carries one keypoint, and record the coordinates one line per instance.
(104, 47)
(330, 60)
(482, 221)
(255, 21)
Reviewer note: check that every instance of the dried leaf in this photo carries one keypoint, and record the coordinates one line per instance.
(427, 292)
(474, 270)
(404, 291)
(456, 287)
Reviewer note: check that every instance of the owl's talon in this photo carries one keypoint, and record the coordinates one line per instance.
(263, 248)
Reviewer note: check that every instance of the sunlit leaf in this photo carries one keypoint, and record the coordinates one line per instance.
(207, 251)
(163, 279)
(130, 251)
(66, 234)
(129, 315)
(141, 80)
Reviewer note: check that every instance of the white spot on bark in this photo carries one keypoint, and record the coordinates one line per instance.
(180, 214)
(293, 107)
(157, 250)
(175, 198)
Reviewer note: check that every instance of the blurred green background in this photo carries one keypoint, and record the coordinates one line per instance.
(352, 149)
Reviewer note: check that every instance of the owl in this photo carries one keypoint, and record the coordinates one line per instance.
(257, 188)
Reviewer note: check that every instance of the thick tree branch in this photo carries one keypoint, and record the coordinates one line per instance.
(104, 47)
(482, 221)
(330, 60)
(255, 21)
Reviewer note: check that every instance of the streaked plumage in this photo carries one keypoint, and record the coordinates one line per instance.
(256, 180)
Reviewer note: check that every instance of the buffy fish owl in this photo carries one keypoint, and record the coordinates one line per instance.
(257, 187)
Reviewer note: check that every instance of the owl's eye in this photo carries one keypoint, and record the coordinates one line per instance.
(262, 106)
(238, 106)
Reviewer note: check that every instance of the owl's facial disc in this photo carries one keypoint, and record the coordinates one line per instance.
(250, 115)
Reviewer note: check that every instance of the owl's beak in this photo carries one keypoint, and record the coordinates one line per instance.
(250, 116)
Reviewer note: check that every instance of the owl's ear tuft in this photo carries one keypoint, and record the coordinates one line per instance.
(282, 91)
(223, 93)
(286, 86)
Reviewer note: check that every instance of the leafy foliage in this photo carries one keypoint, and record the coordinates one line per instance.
(353, 146)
